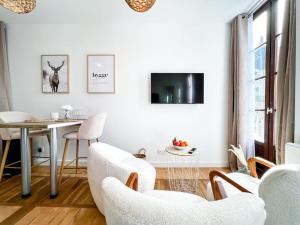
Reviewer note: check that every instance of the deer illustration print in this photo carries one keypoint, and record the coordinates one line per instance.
(54, 78)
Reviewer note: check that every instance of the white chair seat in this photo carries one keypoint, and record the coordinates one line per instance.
(72, 135)
(17, 134)
(246, 181)
(174, 196)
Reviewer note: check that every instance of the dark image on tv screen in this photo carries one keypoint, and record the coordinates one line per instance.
(177, 88)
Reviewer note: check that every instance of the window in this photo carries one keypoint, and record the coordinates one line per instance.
(260, 27)
(267, 30)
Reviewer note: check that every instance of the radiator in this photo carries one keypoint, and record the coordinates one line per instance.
(292, 153)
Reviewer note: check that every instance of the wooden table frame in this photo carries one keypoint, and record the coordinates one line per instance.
(25, 152)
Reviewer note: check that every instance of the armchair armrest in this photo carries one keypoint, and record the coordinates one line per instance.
(252, 167)
(215, 187)
(132, 181)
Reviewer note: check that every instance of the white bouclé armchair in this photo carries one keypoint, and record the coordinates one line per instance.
(124, 206)
(279, 187)
(108, 161)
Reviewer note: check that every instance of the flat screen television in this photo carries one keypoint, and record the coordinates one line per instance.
(177, 88)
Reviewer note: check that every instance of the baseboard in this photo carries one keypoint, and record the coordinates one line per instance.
(83, 162)
(155, 163)
(191, 164)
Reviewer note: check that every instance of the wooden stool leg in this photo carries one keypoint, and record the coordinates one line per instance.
(89, 142)
(63, 160)
(77, 148)
(4, 158)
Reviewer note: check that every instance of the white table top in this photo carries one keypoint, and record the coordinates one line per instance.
(42, 124)
(173, 151)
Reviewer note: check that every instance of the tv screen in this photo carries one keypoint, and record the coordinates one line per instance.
(177, 88)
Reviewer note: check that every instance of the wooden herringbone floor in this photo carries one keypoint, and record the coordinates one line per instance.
(74, 205)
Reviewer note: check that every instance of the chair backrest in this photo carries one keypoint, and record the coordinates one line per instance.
(105, 160)
(280, 189)
(127, 207)
(10, 117)
(92, 128)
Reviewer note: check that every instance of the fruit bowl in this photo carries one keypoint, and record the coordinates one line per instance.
(180, 144)
(180, 147)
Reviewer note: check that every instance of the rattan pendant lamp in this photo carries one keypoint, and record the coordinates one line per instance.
(19, 6)
(140, 5)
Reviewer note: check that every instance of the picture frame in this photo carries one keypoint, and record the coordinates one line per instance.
(101, 73)
(55, 74)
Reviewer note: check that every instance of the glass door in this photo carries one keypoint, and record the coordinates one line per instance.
(261, 45)
(267, 29)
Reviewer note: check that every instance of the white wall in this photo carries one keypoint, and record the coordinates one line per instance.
(198, 43)
(297, 114)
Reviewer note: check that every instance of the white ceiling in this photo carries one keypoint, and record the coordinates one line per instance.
(117, 11)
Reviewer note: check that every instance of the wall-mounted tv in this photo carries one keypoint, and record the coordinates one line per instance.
(177, 88)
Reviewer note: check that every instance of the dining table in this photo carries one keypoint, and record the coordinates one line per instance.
(25, 150)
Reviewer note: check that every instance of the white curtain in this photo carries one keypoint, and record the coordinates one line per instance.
(241, 89)
(250, 148)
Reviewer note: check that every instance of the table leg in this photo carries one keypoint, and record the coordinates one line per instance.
(53, 163)
(25, 163)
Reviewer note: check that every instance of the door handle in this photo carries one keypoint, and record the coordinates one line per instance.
(269, 111)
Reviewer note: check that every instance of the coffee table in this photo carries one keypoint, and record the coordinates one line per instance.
(183, 170)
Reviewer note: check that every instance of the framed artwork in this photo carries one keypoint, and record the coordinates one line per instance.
(101, 73)
(55, 73)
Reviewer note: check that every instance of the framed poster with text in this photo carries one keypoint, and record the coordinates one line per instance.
(101, 73)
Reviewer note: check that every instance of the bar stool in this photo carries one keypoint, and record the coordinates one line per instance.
(9, 134)
(90, 129)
